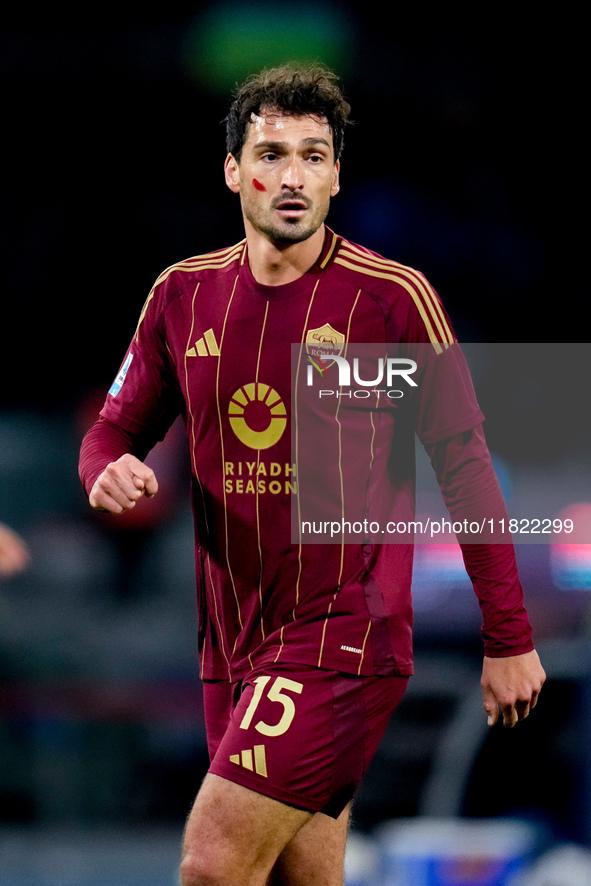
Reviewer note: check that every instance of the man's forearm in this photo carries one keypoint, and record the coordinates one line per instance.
(471, 491)
(105, 442)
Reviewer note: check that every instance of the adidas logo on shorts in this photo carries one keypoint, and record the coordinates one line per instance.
(254, 760)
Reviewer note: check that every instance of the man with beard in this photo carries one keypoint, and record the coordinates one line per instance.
(305, 648)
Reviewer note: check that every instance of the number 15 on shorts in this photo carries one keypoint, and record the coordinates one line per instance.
(277, 692)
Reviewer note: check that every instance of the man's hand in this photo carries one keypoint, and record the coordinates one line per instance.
(513, 685)
(14, 554)
(122, 484)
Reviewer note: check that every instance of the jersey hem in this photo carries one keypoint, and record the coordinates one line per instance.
(404, 669)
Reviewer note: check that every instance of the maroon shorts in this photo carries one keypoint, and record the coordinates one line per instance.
(299, 734)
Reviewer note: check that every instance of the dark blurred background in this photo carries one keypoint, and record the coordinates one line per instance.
(465, 161)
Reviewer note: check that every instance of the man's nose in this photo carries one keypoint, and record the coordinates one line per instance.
(292, 175)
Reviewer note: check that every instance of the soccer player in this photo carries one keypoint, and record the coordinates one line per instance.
(305, 649)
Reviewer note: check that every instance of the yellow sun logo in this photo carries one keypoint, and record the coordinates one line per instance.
(257, 415)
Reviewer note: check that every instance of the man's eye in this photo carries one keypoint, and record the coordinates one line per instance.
(269, 157)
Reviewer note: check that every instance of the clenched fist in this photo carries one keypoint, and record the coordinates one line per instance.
(122, 484)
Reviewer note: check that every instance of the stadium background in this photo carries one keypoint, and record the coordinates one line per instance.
(466, 162)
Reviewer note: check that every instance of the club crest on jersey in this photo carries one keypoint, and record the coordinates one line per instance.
(324, 340)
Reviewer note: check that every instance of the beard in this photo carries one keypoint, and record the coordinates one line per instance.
(285, 231)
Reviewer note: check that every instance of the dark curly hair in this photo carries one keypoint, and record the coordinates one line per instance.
(293, 89)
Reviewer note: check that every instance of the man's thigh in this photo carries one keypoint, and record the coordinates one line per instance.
(315, 856)
(234, 836)
(297, 734)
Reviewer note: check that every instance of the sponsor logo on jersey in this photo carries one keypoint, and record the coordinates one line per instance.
(254, 760)
(325, 340)
(259, 477)
(257, 415)
(118, 383)
(206, 346)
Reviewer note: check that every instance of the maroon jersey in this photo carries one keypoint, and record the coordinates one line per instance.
(215, 345)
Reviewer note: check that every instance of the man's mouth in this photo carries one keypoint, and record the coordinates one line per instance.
(291, 206)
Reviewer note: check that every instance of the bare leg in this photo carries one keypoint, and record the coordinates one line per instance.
(316, 855)
(234, 836)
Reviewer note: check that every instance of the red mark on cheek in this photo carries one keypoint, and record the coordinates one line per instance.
(258, 185)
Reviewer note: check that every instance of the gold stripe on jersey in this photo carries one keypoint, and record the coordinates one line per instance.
(340, 427)
(356, 253)
(223, 456)
(328, 255)
(418, 279)
(211, 260)
(324, 628)
(347, 340)
(372, 441)
(423, 295)
(294, 419)
(219, 258)
(196, 475)
(257, 487)
(363, 646)
(192, 448)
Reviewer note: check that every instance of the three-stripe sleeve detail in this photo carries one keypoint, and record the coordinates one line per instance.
(418, 288)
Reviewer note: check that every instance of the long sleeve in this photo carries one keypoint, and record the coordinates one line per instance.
(471, 490)
(104, 443)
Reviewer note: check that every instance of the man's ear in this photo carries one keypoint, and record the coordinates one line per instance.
(335, 181)
(232, 173)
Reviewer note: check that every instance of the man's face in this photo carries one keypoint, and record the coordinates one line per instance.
(286, 175)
